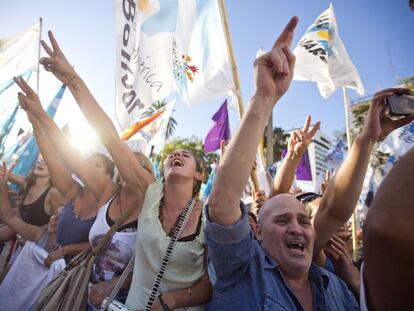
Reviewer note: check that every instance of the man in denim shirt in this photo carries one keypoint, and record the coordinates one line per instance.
(277, 273)
(268, 275)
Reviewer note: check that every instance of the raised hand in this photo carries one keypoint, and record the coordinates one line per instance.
(300, 139)
(342, 261)
(325, 182)
(5, 208)
(274, 70)
(259, 198)
(377, 124)
(29, 101)
(57, 63)
(5, 174)
(295, 190)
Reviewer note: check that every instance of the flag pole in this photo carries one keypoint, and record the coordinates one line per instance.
(236, 80)
(38, 55)
(349, 140)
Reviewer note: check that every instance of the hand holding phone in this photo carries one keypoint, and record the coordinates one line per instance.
(400, 104)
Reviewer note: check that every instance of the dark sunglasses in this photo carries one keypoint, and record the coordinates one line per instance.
(307, 197)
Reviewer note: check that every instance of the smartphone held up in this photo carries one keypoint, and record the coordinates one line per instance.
(400, 105)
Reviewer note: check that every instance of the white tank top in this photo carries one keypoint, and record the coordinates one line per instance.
(118, 252)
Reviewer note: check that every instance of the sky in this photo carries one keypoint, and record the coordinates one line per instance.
(377, 34)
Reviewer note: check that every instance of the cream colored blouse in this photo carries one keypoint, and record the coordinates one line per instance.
(186, 265)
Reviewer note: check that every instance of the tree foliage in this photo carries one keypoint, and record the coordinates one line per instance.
(280, 139)
(408, 82)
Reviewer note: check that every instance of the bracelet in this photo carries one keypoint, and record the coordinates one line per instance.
(164, 306)
(38, 132)
(70, 80)
(189, 297)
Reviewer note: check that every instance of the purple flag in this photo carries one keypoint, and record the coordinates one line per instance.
(220, 130)
(303, 172)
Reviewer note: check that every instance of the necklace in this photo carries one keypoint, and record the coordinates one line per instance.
(161, 216)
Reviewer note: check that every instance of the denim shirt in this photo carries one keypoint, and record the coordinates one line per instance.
(249, 279)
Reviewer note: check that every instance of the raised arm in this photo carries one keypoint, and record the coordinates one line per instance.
(341, 196)
(389, 240)
(298, 143)
(58, 173)
(94, 180)
(53, 201)
(17, 179)
(273, 74)
(129, 168)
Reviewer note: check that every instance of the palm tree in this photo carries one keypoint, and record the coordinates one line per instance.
(172, 123)
(280, 138)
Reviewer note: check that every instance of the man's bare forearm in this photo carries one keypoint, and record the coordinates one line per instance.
(235, 166)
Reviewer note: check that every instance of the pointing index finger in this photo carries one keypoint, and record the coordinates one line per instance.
(286, 36)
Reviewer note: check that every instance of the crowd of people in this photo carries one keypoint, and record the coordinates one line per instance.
(289, 251)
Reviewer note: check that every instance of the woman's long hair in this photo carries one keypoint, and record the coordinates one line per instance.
(29, 182)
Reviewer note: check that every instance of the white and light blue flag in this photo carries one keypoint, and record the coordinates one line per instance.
(19, 53)
(399, 141)
(168, 46)
(322, 57)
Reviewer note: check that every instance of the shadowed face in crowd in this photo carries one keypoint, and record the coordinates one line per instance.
(98, 164)
(285, 230)
(41, 169)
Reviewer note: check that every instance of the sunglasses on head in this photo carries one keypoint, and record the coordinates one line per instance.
(307, 197)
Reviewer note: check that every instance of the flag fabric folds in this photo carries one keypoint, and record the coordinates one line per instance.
(220, 130)
(18, 53)
(209, 185)
(166, 47)
(262, 175)
(134, 128)
(30, 151)
(336, 156)
(152, 128)
(399, 141)
(322, 57)
(303, 171)
(156, 132)
(9, 107)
